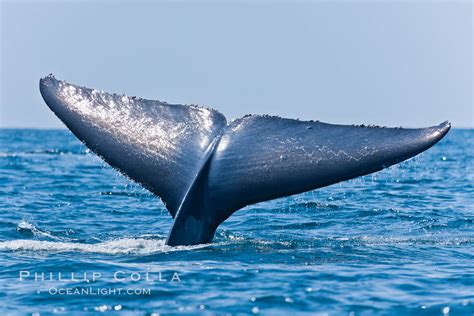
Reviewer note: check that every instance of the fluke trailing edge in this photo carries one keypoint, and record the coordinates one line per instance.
(204, 169)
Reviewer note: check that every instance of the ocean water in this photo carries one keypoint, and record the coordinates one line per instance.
(78, 238)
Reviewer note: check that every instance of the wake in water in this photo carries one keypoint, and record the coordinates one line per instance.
(140, 246)
(27, 227)
(145, 245)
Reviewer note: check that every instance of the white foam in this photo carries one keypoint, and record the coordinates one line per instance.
(25, 225)
(116, 246)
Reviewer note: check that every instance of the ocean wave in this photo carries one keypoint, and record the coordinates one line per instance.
(398, 240)
(139, 246)
(315, 205)
(25, 226)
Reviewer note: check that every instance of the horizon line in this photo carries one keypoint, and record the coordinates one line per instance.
(66, 129)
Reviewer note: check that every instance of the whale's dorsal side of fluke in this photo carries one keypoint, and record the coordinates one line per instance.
(205, 169)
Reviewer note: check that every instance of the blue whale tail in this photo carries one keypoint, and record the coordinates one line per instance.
(204, 169)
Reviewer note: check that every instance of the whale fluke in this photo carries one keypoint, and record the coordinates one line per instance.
(205, 169)
(161, 146)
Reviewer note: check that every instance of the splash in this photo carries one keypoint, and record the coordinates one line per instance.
(26, 226)
(139, 246)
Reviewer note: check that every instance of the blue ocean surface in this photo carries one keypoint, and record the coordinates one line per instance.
(76, 237)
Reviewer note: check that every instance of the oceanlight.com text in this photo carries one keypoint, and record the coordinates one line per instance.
(97, 291)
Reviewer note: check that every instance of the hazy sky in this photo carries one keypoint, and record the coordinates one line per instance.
(390, 63)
